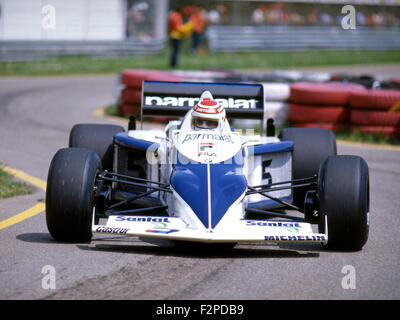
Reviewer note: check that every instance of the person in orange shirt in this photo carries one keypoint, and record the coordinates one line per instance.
(198, 29)
(178, 30)
(175, 22)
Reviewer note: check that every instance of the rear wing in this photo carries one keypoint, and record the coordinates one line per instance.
(241, 101)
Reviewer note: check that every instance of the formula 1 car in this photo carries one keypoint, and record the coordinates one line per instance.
(207, 186)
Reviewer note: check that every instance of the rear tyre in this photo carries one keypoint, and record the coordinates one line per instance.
(97, 137)
(311, 147)
(343, 192)
(70, 194)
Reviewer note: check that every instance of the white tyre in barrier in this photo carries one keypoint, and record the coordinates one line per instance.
(317, 76)
(290, 75)
(274, 91)
(279, 111)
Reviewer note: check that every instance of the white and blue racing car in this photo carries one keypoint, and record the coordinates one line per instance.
(200, 180)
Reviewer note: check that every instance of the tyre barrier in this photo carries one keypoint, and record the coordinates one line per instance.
(131, 95)
(374, 99)
(129, 100)
(396, 82)
(133, 78)
(323, 93)
(340, 106)
(128, 109)
(276, 92)
(376, 112)
(374, 118)
(321, 125)
(321, 104)
(318, 114)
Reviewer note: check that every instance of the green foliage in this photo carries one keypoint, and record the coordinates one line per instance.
(10, 188)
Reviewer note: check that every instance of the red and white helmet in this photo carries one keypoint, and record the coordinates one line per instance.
(208, 114)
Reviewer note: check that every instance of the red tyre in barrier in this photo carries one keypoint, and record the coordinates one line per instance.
(387, 131)
(323, 93)
(395, 82)
(374, 99)
(322, 125)
(134, 77)
(126, 109)
(132, 95)
(330, 114)
(374, 118)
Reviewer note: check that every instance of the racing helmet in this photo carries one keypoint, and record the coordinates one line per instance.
(208, 114)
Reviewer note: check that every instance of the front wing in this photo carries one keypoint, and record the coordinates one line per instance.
(244, 231)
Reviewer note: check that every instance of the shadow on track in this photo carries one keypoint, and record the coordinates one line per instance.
(132, 245)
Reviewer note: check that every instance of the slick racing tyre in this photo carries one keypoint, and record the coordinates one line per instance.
(97, 137)
(311, 147)
(70, 194)
(343, 193)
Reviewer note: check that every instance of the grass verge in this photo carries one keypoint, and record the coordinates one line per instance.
(11, 188)
(364, 137)
(69, 65)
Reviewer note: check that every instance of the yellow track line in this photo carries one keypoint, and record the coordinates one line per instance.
(26, 177)
(36, 209)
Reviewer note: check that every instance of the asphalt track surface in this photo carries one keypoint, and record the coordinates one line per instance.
(36, 115)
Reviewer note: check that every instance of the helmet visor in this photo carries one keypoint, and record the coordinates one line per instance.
(205, 123)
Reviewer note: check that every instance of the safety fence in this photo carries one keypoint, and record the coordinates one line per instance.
(244, 38)
(30, 50)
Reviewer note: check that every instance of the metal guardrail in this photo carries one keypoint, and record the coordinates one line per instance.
(246, 38)
(220, 38)
(30, 50)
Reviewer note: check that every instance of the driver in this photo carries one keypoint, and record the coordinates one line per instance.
(208, 114)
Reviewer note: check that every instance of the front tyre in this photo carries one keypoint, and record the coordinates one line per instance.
(70, 194)
(97, 137)
(311, 147)
(343, 192)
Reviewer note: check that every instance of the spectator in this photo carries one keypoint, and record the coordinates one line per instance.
(326, 18)
(361, 19)
(258, 17)
(223, 12)
(177, 31)
(312, 17)
(198, 29)
(214, 16)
